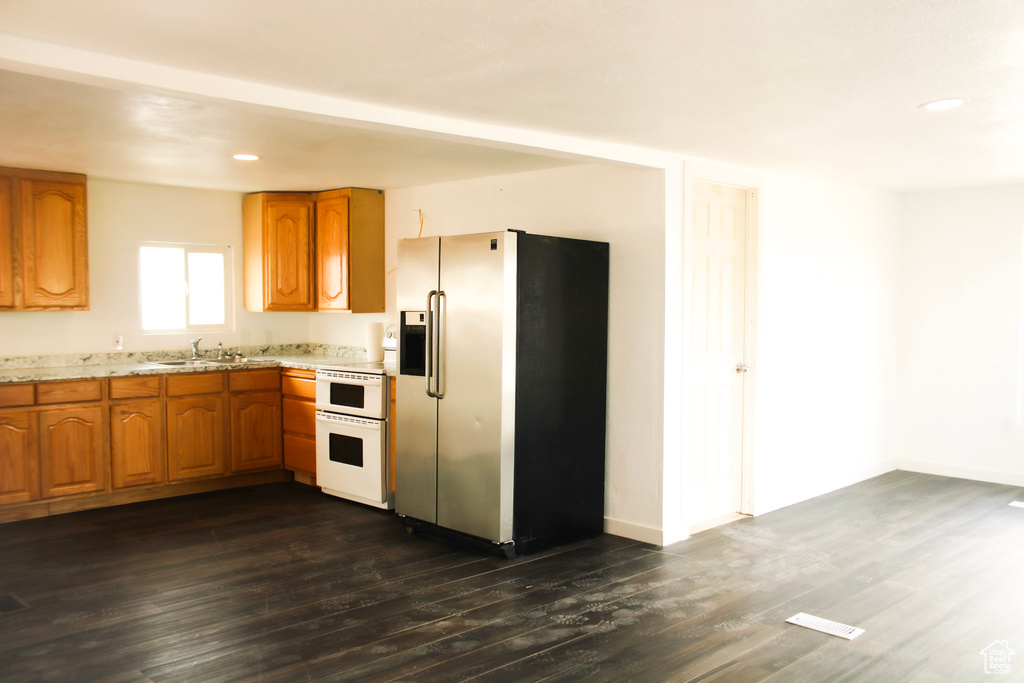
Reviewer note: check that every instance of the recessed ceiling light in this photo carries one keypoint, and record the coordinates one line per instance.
(245, 157)
(943, 105)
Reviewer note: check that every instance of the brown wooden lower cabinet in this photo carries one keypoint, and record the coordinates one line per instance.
(196, 437)
(136, 444)
(75, 444)
(299, 420)
(255, 430)
(19, 460)
(71, 450)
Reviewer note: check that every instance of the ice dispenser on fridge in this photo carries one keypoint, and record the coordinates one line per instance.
(412, 343)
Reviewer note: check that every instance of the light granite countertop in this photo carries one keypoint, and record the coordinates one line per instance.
(132, 364)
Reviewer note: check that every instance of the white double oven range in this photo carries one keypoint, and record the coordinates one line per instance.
(352, 433)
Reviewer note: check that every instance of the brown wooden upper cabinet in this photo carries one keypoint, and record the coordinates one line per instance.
(44, 252)
(309, 251)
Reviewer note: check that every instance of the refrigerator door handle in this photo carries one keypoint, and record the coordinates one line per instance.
(440, 331)
(429, 360)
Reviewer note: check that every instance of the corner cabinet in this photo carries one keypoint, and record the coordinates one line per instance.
(44, 254)
(278, 246)
(350, 250)
(314, 251)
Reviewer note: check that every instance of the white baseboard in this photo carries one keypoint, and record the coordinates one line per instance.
(637, 532)
(962, 472)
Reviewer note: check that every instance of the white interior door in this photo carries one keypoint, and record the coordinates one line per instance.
(716, 365)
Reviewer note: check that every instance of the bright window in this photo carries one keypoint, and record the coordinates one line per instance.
(185, 287)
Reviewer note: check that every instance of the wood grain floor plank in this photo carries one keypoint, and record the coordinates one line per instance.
(282, 583)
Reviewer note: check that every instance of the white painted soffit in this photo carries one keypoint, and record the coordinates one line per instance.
(41, 58)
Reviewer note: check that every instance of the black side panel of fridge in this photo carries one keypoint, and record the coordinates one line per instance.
(561, 388)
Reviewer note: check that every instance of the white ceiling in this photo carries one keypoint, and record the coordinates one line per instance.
(155, 136)
(826, 88)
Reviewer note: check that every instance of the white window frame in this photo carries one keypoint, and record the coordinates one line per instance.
(229, 286)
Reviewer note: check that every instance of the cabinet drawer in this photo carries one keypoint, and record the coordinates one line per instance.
(195, 383)
(255, 380)
(68, 392)
(302, 387)
(300, 453)
(299, 416)
(17, 395)
(135, 387)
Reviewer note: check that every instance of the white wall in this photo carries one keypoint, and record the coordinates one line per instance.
(620, 205)
(120, 216)
(960, 351)
(826, 351)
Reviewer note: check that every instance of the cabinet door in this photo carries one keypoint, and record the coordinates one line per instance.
(136, 444)
(19, 461)
(255, 430)
(71, 450)
(54, 251)
(332, 254)
(288, 269)
(6, 245)
(366, 251)
(195, 437)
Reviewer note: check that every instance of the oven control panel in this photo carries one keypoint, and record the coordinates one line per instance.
(345, 376)
(338, 418)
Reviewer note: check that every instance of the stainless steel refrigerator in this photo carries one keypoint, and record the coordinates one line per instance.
(501, 388)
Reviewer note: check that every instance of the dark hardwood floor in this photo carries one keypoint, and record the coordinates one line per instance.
(282, 583)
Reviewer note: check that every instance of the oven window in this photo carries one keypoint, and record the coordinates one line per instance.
(347, 395)
(347, 450)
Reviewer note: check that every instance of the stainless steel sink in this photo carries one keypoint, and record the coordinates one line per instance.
(190, 362)
(179, 363)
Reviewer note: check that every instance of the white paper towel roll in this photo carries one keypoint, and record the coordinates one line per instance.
(374, 342)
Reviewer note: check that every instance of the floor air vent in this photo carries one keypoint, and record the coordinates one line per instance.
(833, 628)
(11, 603)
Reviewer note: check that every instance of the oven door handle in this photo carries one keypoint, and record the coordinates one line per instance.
(428, 362)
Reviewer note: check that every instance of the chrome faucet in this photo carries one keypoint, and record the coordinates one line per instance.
(195, 348)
